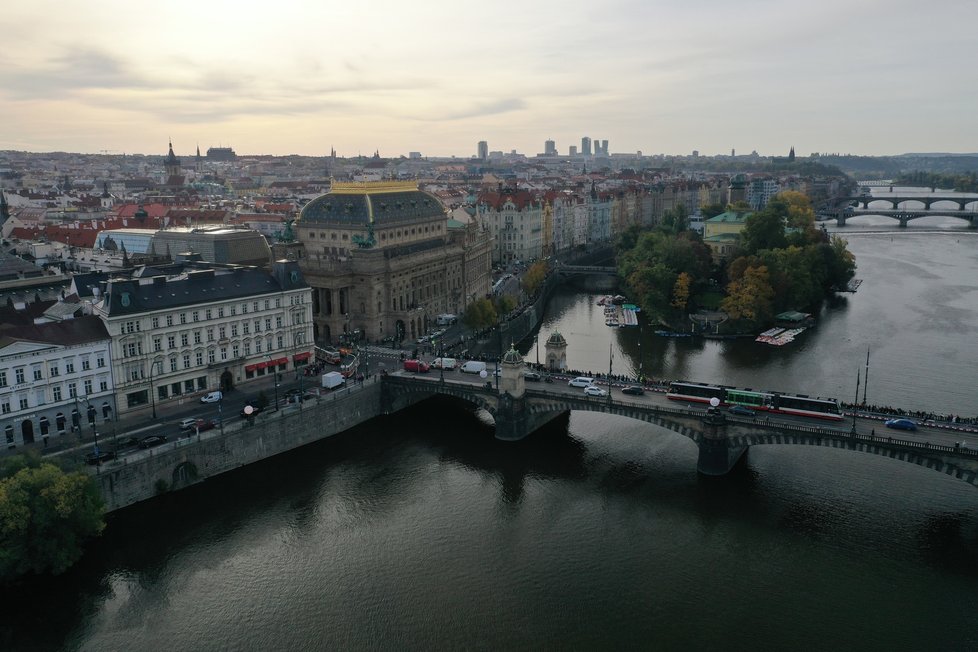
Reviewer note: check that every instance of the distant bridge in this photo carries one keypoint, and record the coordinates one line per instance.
(901, 212)
(722, 439)
(587, 269)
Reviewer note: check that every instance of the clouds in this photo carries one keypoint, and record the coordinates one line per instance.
(658, 75)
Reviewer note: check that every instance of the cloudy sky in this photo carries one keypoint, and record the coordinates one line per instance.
(661, 76)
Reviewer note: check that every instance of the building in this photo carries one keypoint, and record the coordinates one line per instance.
(483, 151)
(226, 245)
(55, 372)
(722, 233)
(182, 330)
(586, 146)
(550, 148)
(761, 191)
(515, 220)
(383, 262)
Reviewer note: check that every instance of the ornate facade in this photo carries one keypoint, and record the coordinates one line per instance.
(383, 262)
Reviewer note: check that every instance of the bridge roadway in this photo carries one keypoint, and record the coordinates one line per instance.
(722, 438)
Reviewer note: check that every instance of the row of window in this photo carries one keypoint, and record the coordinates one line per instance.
(382, 235)
(23, 401)
(54, 370)
(133, 349)
(60, 421)
(134, 326)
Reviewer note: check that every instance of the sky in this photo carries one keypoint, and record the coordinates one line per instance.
(869, 77)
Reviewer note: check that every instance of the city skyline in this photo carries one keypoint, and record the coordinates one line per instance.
(435, 77)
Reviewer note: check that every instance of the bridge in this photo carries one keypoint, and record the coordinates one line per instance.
(722, 439)
(901, 212)
(587, 269)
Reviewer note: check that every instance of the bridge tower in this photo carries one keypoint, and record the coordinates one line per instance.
(511, 374)
(512, 418)
(717, 456)
(556, 347)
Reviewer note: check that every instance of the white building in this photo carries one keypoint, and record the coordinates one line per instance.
(181, 330)
(55, 376)
(514, 218)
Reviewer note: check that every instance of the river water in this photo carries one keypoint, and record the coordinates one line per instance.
(422, 532)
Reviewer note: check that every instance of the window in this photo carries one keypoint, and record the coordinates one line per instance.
(156, 322)
(278, 302)
(267, 304)
(88, 386)
(18, 376)
(103, 385)
(220, 312)
(69, 367)
(53, 371)
(247, 348)
(5, 407)
(186, 360)
(196, 337)
(86, 365)
(200, 358)
(56, 392)
(257, 325)
(246, 327)
(279, 341)
(72, 390)
(234, 310)
(183, 318)
(196, 315)
(224, 353)
(234, 351)
(278, 321)
(169, 320)
(129, 349)
(234, 330)
(210, 356)
(23, 403)
(207, 313)
(188, 385)
(157, 343)
(134, 373)
(210, 334)
(257, 346)
(99, 362)
(173, 364)
(184, 339)
(268, 323)
(300, 338)
(39, 374)
(171, 341)
(163, 391)
(222, 333)
(244, 308)
(130, 327)
(254, 306)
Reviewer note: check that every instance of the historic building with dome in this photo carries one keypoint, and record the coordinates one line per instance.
(384, 260)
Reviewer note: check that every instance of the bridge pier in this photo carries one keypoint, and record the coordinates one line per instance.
(717, 456)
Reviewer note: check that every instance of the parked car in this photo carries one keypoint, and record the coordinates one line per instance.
(901, 424)
(580, 381)
(152, 440)
(205, 424)
(594, 390)
(740, 410)
(189, 423)
(101, 457)
(634, 390)
(532, 376)
(211, 397)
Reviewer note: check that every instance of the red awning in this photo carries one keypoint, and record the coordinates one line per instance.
(251, 367)
(280, 361)
(302, 356)
(261, 365)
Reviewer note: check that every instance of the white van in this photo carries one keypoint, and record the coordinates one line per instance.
(211, 397)
(473, 367)
(446, 320)
(581, 381)
(443, 363)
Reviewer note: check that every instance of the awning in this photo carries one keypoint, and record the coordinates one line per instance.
(278, 362)
(305, 355)
(251, 367)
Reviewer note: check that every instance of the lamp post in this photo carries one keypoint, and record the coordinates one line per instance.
(152, 390)
(274, 378)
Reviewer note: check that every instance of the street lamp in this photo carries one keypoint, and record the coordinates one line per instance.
(152, 390)
(274, 379)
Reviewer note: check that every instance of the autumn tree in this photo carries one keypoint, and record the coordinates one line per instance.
(680, 291)
(749, 298)
(480, 314)
(534, 277)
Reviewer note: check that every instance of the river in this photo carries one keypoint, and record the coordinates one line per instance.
(422, 532)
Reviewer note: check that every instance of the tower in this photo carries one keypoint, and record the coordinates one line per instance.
(198, 162)
(556, 347)
(511, 378)
(483, 150)
(171, 163)
(791, 155)
(586, 146)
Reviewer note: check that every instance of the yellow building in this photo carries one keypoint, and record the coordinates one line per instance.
(722, 233)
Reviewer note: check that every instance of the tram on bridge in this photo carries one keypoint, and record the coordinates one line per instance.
(795, 404)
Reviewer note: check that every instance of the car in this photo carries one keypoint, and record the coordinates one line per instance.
(741, 411)
(211, 397)
(152, 440)
(634, 390)
(532, 376)
(419, 366)
(125, 442)
(203, 425)
(99, 458)
(187, 424)
(594, 390)
(580, 381)
(901, 424)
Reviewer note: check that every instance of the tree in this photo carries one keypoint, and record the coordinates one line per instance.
(534, 277)
(763, 230)
(480, 314)
(749, 298)
(680, 291)
(46, 515)
(712, 210)
(505, 304)
(675, 220)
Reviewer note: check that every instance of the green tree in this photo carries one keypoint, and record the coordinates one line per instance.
(46, 515)
(712, 210)
(504, 304)
(480, 314)
(763, 230)
(675, 220)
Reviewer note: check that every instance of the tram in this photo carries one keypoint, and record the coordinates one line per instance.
(796, 404)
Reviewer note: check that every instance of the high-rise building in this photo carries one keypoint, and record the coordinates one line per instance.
(604, 148)
(483, 150)
(586, 146)
(573, 150)
(550, 148)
